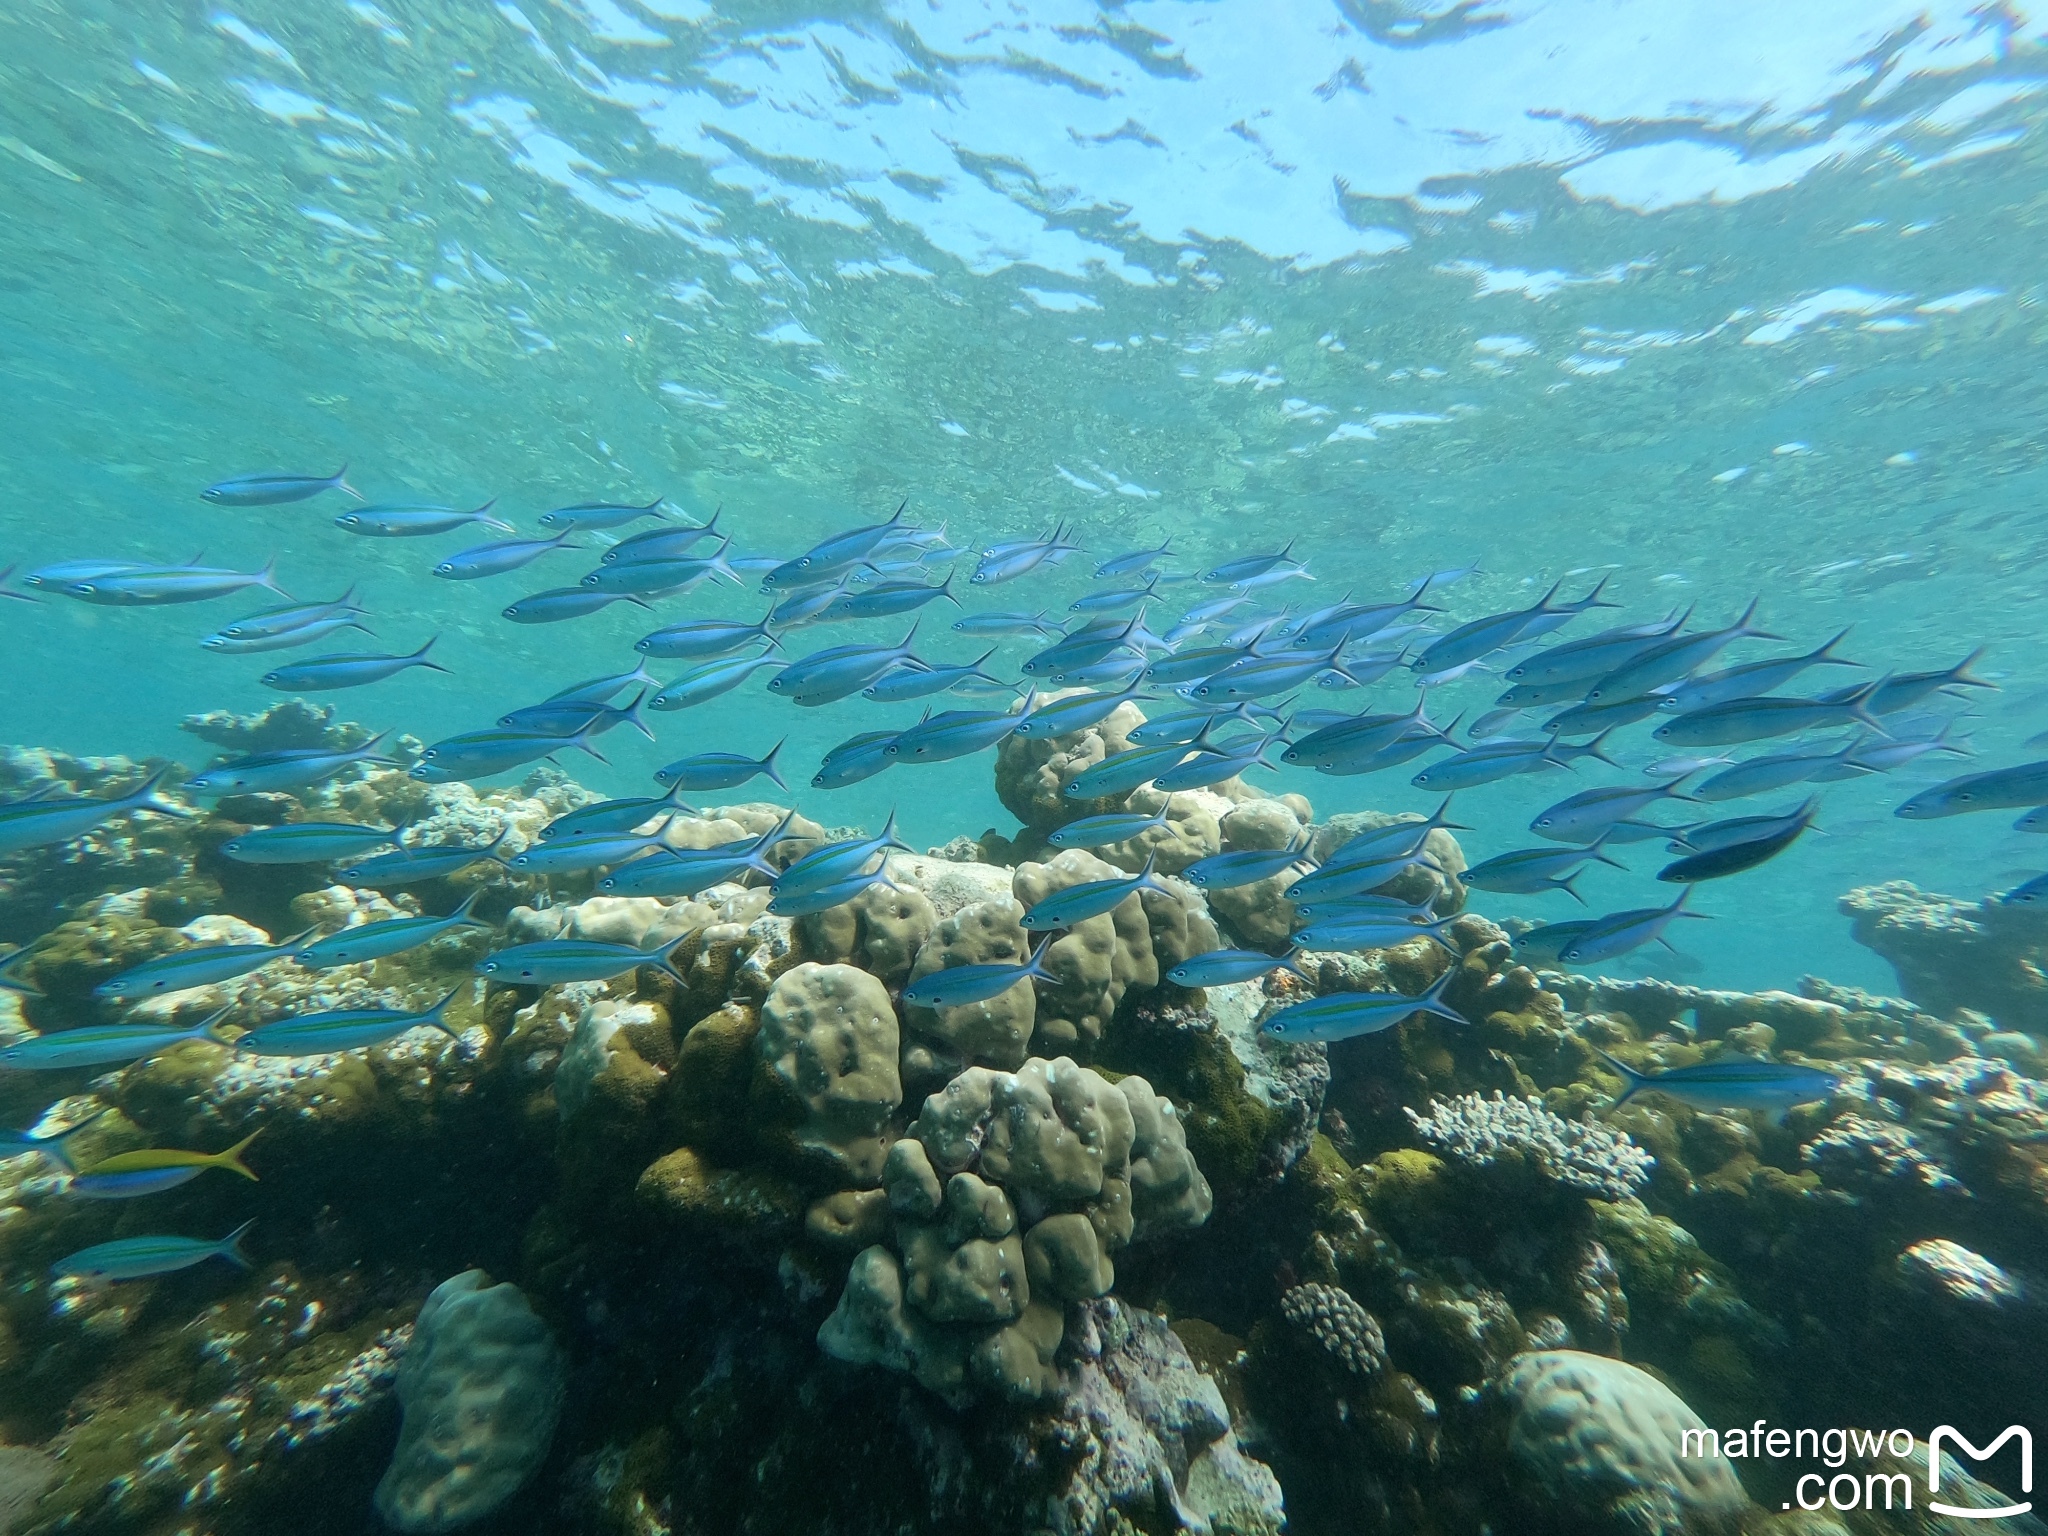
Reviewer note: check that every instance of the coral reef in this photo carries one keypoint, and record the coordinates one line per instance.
(783, 1251)
(1951, 954)
(1599, 1444)
(480, 1388)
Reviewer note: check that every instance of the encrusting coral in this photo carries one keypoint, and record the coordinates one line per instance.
(781, 1225)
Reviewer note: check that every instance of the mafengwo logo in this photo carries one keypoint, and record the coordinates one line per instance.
(1947, 1433)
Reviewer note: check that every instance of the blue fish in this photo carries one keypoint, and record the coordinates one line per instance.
(1006, 624)
(138, 1258)
(1184, 725)
(719, 770)
(496, 559)
(157, 585)
(600, 690)
(549, 962)
(1752, 678)
(103, 1045)
(199, 966)
(1221, 967)
(1669, 660)
(1130, 564)
(393, 936)
(1231, 572)
(962, 986)
(1481, 637)
(660, 543)
(891, 598)
(1077, 712)
(1606, 938)
(1244, 866)
(1092, 898)
(37, 823)
(558, 604)
(1347, 1015)
(599, 514)
(826, 897)
(839, 553)
(708, 681)
(343, 1029)
(482, 754)
(306, 842)
(348, 671)
(857, 758)
(1365, 931)
(290, 617)
(294, 768)
(1111, 827)
(1723, 854)
(701, 639)
(2001, 789)
(614, 815)
(272, 488)
(1730, 1082)
(836, 861)
(287, 639)
(959, 733)
(400, 520)
(411, 865)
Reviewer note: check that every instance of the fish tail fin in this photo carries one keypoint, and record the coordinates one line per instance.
(1291, 963)
(230, 1247)
(1825, 656)
(1746, 629)
(654, 506)
(768, 766)
(267, 578)
(1597, 851)
(664, 960)
(58, 1148)
(1432, 999)
(1859, 706)
(1593, 748)
(636, 714)
(231, 1159)
(420, 655)
(946, 589)
(1569, 886)
(149, 797)
(1592, 599)
(910, 634)
(208, 1029)
(1035, 965)
(1440, 816)
(1632, 1080)
(1030, 704)
(436, 1016)
(340, 479)
(1960, 676)
(889, 839)
(482, 515)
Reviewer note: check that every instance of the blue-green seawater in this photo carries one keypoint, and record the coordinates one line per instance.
(1727, 301)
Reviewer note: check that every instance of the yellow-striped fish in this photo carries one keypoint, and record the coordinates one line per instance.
(156, 1168)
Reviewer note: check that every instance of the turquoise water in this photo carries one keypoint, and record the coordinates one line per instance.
(1759, 319)
(803, 266)
(1712, 303)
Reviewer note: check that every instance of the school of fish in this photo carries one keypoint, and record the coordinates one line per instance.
(1228, 676)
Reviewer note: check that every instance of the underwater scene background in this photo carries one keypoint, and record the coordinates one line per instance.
(710, 1201)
